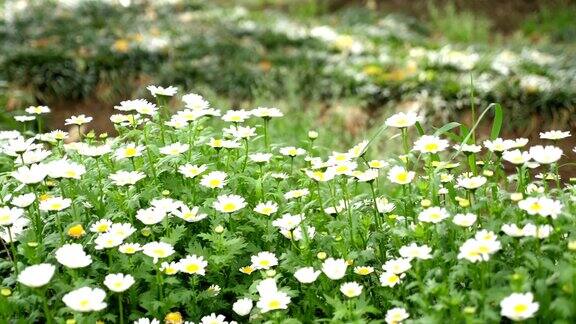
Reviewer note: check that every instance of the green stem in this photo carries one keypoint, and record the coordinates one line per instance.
(473, 118)
(376, 212)
(149, 154)
(133, 163)
(38, 218)
(555, 171)
(347, 206)
(39, 121)
(159, 283)
(100, 186)
(245, 154)
(13, 247)
(266, 143)
(120, 309)
(47, 313)
(319, 197)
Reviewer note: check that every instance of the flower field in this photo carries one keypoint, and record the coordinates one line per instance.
(201, 216)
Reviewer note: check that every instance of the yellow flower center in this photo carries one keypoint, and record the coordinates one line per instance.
(229, 207)
(536, 207)
(274, 304)
(431, 147)
(193, 267)
(435, 216)
(159, 252)
(483, 249)
(402, 122)
(189, 215)
(102, 228)
(264, 263)
(55, 206)
(217, 143)
(130, 151)
(520, 308)
(84, 303)
(214, 183)
(402, 177)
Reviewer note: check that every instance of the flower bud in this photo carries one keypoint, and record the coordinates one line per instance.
(516, 196)
(146, 231)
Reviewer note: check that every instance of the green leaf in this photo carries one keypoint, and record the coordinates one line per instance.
(175, 234)
(497, 124)
(446, 128)
(465, 140)
(420, 129)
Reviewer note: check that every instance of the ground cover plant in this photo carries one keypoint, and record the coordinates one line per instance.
(202, 216)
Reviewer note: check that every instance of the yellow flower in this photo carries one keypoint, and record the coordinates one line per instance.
(463, 202)
(395, 75)
(469, 310)
(425, 203)
(5, 292)
(76, 231)
(173, 318)
(363, 270)
(121, 45)
(44, 197)
(344, 42)
(488, 173)
(372, 70)
(247, 270)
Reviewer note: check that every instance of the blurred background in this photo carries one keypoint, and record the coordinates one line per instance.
(335, 65)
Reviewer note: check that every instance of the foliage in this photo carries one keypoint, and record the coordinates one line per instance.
(345, 204)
